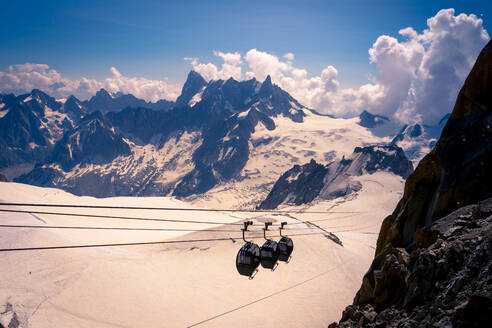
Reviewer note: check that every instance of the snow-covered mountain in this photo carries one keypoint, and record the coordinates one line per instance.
(415, 139)
(418, 140)
(303, 184)
(223, 139)
(31, 124)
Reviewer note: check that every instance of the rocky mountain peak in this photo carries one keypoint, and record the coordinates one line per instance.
(37, 100)
(38, 94)
(193, 85)
(102, 94)
(266, 87)
(74, 106)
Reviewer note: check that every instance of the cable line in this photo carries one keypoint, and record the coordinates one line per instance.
(119, 217)
(109, 228)
(172, 208)
(107, 245)
(143, 218)
(233, 239)
(129, 228)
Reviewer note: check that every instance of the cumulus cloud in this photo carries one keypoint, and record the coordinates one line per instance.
(23, 78)
(418, 74)
(232, 67)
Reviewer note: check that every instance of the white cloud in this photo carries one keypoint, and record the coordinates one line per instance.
(230, 68)
(452, 44)
(23, 78)
(417, 77)
(418, 74)
(289, 56)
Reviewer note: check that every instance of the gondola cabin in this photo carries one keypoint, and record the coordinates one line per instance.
(286, 246)
(269, 251)
(269, 254)
(248, 259)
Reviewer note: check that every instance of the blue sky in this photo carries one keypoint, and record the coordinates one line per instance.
(151, 38)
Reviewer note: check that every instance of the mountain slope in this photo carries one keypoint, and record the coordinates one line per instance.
(31, 124)
(220, 124)
(454, 174)
(303, 184)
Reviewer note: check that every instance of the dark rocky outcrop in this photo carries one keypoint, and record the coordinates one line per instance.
(3, 178)
(379, 125)
(389, 158)
(369, 120)
(8, 317)
(432, 261)
(443, 280)
(302, 184)
(299, 185)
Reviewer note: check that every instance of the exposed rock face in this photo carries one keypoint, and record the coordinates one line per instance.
(369, 120)
(302, 184)
(299, 185)
(93, 141)
(223, 152)
(446, 276)
(8, 318)
(381, 157)
(379, 125)
(444, 280)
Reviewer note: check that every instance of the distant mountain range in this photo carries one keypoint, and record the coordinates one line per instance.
(105, 102)
(121, 145)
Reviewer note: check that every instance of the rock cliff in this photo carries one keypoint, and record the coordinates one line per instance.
(432, 264)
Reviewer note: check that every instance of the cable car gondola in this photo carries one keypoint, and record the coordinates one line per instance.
(269, 251)
(285, 245)
(248, 257)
